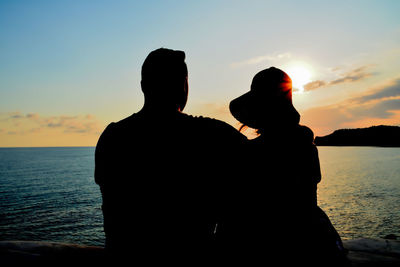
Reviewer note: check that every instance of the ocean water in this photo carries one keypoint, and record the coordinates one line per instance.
(360, 190)
(49, 194)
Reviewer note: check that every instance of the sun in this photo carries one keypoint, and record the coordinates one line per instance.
(300, 75)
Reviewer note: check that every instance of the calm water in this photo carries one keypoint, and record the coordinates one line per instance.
(360, 190)
(49, 193)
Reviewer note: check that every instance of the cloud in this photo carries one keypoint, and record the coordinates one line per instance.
(380, 109)
(377, 106)
(34, 123)
(387, 91)
(314, 85)
(354, 75)
(263, 58)
(16, 115)
(33, 116)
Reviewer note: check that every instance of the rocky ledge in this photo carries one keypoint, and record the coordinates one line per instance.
(362, 252)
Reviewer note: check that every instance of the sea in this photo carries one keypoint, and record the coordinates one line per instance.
(49, 194)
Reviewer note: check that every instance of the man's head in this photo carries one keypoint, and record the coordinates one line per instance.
(164, 78)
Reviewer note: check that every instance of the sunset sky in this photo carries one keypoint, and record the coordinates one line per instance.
(68, 68)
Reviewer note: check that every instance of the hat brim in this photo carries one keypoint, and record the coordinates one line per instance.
(242, 109)
(255, 112)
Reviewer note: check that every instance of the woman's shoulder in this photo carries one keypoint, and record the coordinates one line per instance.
(288, 135)
(305, 133)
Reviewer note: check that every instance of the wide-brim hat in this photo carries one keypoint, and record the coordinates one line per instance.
(269, 98)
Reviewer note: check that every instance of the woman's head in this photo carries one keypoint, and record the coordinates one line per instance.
(269, 101)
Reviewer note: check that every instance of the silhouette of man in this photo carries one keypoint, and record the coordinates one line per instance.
(160, 171)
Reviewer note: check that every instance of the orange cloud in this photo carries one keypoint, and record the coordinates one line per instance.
(354, 75)
(78, 124)
(314, 85)
(377, 106)
(33, 129)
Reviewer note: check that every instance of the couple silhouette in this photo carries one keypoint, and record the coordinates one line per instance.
(187, 190)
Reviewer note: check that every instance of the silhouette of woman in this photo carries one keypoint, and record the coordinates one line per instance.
(274, 209)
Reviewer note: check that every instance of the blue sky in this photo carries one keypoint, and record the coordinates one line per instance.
(78, 63)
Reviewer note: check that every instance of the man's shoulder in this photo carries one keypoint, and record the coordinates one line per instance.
(217, 127)
(208, 121)
(126, 122)
(199, 124)
(114, 128)
(122, 124)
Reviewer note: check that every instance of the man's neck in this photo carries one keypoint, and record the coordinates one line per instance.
(159, 109)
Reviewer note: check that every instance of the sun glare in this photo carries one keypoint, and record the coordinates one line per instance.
(300, 76)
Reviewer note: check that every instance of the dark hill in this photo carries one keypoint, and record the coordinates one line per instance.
(387, 136)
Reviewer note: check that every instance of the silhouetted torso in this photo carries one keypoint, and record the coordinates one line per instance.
(272, 214)
(275, 217)
(160, 175)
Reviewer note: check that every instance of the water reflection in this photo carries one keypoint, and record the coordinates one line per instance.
(360, 190)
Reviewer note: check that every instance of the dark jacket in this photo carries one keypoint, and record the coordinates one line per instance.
(160, 176)
(274, 199)
(275, 216)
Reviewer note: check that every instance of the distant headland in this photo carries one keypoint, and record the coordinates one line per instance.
(383, 135)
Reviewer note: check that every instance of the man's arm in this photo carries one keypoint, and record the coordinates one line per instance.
(102, 153)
